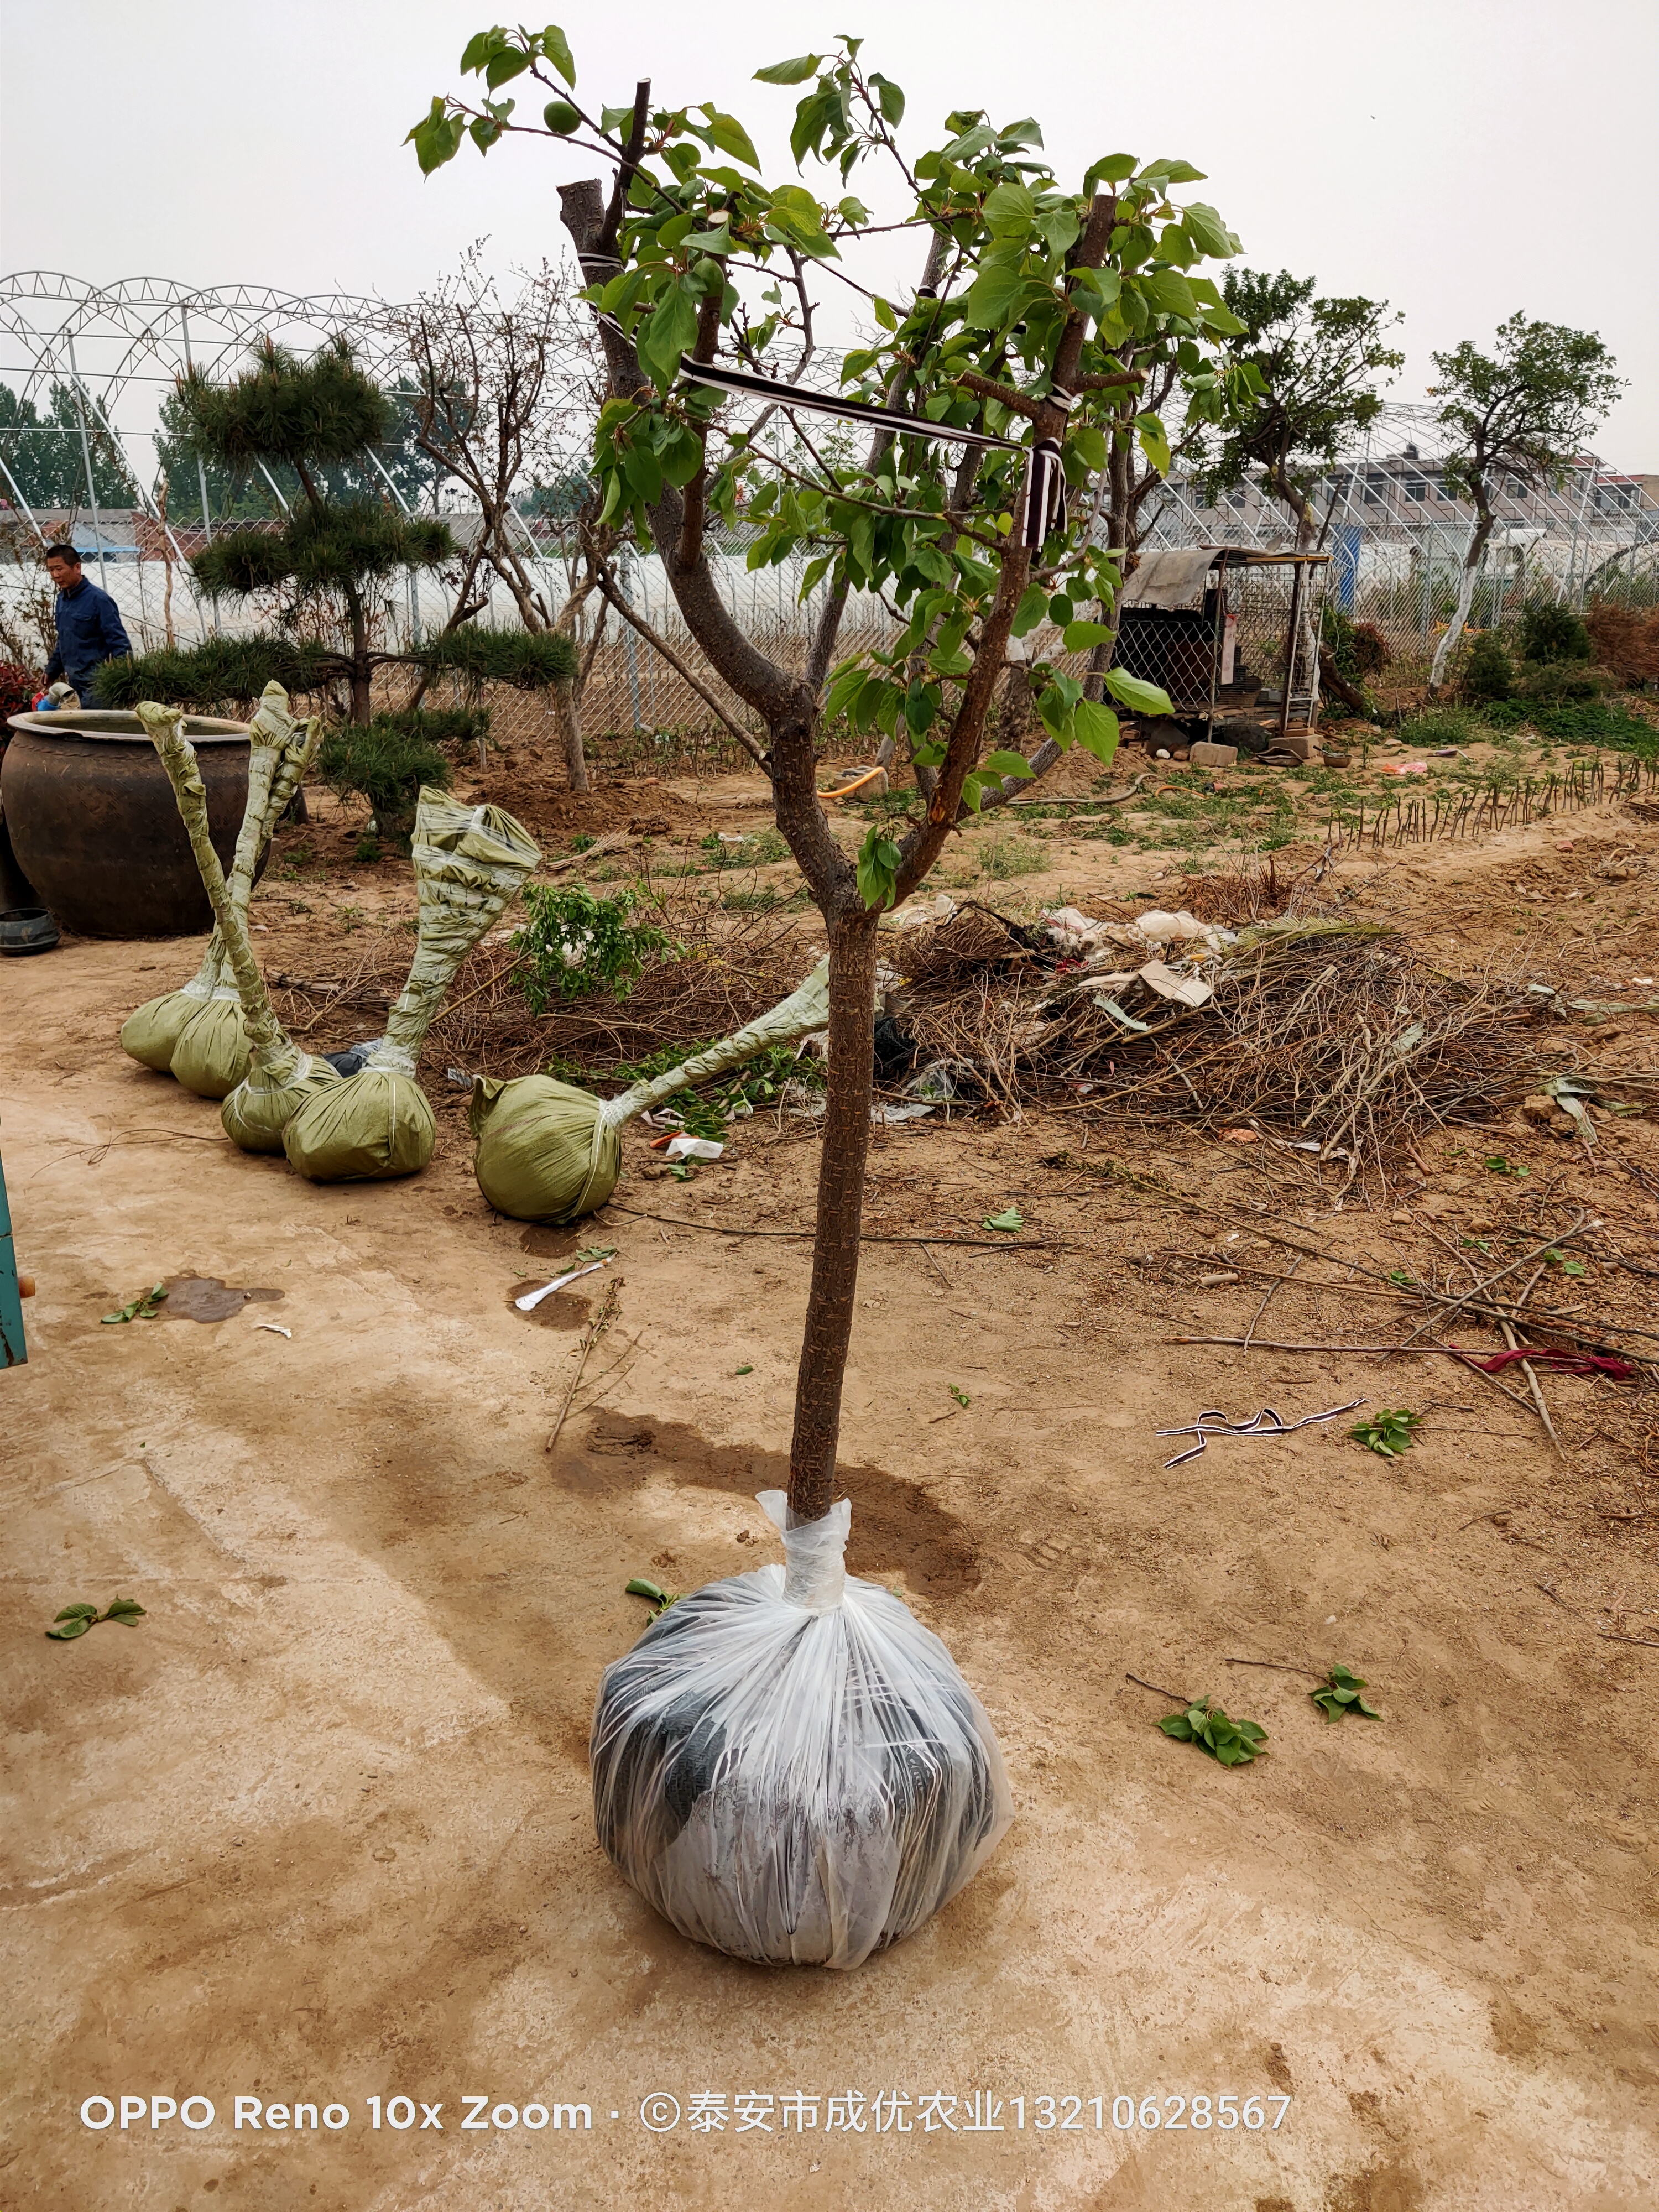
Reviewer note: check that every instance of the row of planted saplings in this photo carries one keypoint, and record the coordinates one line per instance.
(545, 1150)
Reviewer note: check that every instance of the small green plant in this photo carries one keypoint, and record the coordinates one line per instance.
(367, 848)
(1010, 1219)
(1497, 1163)
(74, 1619)
(742, 1370)
(960, 1397)
(387, 764)
(1549, 632)
(1392, 1432)
(1339, 1693)
(757, 1082)
(579, 942)
(145, 1307)
(1491, 672)
(1554, 1259)
(1230, 1742)
(660, 1599)
(1406, 1280)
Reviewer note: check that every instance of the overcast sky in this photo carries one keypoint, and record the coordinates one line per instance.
(1459, 158)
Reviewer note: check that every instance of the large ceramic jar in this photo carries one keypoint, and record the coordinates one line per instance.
(95, 827)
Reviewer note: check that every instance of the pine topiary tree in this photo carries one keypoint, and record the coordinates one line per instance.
(316, 419)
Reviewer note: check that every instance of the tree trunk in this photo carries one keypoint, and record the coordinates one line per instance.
(567, 712)
(360, 669)
(841, 1206)
(1477, 554)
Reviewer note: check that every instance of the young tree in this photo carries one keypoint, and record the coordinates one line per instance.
(1315, 367)
(503, 393)
(1526, 409)
(1031, 290)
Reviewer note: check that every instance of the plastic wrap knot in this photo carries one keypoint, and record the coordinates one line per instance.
(814, 1552)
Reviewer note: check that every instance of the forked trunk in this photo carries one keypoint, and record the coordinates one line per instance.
(841, 1206)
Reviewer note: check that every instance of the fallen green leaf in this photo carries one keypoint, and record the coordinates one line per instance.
(143, 1308)
(1496, 1164)
(742, 1370)
(961, 1396)
(1339, 1693)
(1228, 1741)
(1010, 1219)
(74, 1619)
(660, 1599)
(1390, 1433)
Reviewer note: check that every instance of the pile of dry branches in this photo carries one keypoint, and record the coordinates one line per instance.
(721, 977)
(1321, 1029)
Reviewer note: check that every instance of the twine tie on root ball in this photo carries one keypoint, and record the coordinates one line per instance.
(789, 1767)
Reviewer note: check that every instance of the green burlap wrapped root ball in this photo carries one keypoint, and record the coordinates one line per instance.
(470, 861)
(150, 1032)
(546, 1152)
(366, 1128)
(257, 1111)
(214, 1050)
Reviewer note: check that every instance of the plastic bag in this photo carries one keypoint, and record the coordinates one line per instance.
(788, 1765)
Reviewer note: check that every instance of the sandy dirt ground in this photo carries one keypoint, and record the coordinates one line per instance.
(318, 1831)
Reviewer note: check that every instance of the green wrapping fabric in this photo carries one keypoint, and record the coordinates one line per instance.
(276, 1085)
(150, 1032)
(470, 862)
(547, 1152)
(216, 1058)
(213, 1050)
(366, 1128)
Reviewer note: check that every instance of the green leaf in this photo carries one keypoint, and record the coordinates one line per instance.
(992, 295)
(1009, 207)
(1078, 636)
(1391, 1434)
(1010, 1220)
(1096, 729)
(1112, 170)
(504, 64)
(1150, 434)
(1208, 232)
(794, 72)
(78, 1613)
(1222, 322)
(729, 134)
(127, 1611)
(1139, 697)
(889, 97)
(665, 337)
(1007, 763)
(70, 1630)
(561, 117)
(436, 137)
(1032, 607)
(556, 47)
(879, 861)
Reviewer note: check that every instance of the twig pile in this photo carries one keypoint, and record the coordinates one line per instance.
(1326, 1031)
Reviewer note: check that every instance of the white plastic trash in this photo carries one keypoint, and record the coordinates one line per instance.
(788, 1766)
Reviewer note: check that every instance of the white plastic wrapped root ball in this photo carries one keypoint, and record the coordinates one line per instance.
(788, 1765)
(259, 1110)
(546, 1152)
(214, 1050)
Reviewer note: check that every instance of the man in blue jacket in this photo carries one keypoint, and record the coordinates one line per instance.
(89, 630)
